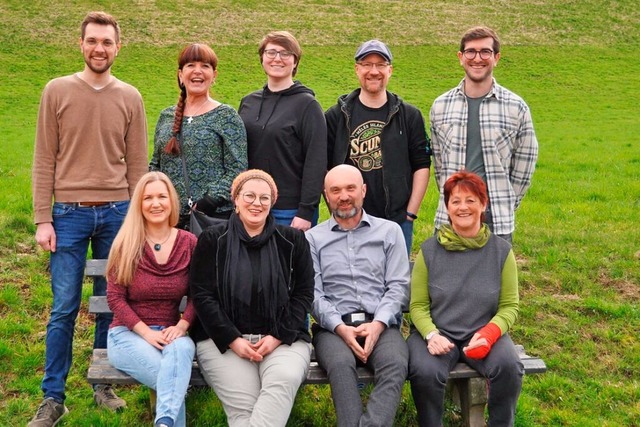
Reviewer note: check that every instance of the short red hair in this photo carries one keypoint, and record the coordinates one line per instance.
(467, 181)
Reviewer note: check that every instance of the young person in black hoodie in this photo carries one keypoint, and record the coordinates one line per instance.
(286, 132)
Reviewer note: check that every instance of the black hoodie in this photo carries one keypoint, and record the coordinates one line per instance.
(287, 138)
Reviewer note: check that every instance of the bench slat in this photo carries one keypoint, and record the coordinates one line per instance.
(95, 267)
(99, 305)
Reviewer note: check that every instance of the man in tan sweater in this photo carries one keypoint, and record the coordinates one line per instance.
(90, 151)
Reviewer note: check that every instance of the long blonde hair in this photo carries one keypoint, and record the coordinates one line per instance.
(128, 246)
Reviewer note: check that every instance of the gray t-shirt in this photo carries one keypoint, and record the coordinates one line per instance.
(474, 161)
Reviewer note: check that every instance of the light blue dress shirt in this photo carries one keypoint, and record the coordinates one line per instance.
(363, 269)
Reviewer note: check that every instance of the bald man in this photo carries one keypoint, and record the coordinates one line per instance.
(361, 284)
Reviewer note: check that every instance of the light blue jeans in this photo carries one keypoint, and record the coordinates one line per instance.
(76, 228)
(166, 371)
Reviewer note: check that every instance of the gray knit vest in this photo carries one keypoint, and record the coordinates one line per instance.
(464, 287)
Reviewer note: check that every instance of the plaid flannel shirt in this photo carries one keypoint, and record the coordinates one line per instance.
(509, 148)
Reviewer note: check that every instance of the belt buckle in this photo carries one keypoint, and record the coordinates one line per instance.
(252, 338)
(357, 317)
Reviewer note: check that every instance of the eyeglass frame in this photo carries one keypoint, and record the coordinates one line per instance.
(371, 65)
(488, 52)
(253, 196)
(283, 54)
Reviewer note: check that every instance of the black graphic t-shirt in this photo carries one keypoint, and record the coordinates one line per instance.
(365, 152)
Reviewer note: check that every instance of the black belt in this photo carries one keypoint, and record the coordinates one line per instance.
(357, 318)
(89, 204)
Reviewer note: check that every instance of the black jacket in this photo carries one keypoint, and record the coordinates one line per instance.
(287, 138)
(206, 272)
(405, 149)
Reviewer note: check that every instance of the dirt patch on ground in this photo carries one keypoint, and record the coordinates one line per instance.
(566, 297)
(627, 289)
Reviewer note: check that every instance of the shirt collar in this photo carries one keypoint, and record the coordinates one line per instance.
(364, 222)
(494, 92)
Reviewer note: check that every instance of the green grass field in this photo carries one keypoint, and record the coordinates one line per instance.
(577, 238)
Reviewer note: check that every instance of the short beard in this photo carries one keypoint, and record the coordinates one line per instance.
(98, 70)
(346, 214)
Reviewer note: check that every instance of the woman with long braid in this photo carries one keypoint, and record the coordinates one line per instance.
(208, 134)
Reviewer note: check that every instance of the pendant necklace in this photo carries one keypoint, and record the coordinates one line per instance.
(198, 111)
(158, 246)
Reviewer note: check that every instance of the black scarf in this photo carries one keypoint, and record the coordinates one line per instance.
(237, 289)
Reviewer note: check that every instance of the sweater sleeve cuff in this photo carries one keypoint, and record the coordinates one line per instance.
(306, 212)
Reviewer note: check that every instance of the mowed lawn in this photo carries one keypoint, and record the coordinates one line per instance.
(577, 239)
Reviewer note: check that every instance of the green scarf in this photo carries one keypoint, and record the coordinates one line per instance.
(451, 241)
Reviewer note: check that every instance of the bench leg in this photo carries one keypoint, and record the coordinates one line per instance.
(471, 393)
(152, 401)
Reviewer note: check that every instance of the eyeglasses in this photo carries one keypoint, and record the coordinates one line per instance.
(272, 53)
(484, 53)
(371, 65)
(249, 197)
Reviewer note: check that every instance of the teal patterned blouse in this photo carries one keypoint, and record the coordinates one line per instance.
(214, 145)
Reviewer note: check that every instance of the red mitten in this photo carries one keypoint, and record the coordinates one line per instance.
(491, 332)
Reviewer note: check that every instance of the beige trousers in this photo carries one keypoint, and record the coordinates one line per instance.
(255, 393)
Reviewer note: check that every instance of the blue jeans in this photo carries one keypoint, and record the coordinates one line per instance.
(285, 216)
(407, 232)
(166, 371)
(75, 228)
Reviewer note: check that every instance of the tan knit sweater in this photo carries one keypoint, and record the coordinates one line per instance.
(91, 145)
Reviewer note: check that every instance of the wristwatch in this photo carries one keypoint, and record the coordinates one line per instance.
(430, 335)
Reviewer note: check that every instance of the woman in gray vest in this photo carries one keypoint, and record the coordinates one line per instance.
(464, 300)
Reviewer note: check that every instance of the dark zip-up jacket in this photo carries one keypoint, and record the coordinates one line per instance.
(206, 277)
(405, 149)
(287, 137)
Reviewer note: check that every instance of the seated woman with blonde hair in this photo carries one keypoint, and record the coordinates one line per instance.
(147, 277)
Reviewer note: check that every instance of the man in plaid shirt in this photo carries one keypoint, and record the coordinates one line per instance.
(484, 128)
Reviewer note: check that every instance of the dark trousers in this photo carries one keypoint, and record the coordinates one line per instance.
(388, 361)
(428, 375)
(488, 219)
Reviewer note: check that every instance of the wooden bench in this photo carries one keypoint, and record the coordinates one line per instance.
(467, 386)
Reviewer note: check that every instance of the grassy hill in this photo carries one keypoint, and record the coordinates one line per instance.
(577, 239)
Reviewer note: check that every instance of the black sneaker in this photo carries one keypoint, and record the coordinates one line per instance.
(48, 414)
(104, 396)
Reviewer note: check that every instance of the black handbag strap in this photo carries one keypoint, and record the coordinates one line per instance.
(184, 171)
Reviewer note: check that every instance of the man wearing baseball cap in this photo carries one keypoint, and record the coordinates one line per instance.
(384, 137)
